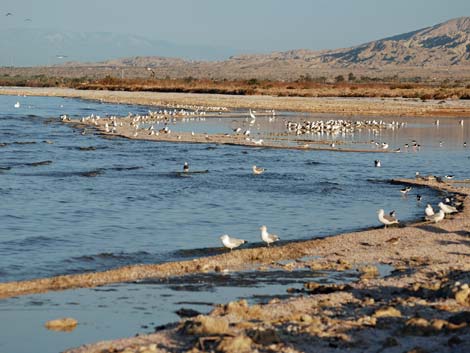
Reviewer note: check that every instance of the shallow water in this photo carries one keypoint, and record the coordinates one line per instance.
(122, 202)
(123, 310)
(84, 203)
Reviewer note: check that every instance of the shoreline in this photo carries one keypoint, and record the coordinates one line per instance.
(233, 261)
(391, 107)
(423, 305)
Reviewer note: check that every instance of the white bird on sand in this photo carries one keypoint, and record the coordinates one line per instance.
(429, 210)
(439, 216)
(447, 208)
(266, 237)
(258, 170)
(385, 219)
(17, 105)
(230, 242)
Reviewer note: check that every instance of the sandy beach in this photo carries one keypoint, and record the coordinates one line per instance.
(341, 106)
(423, 305)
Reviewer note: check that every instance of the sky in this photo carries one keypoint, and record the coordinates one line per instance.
(244, 25)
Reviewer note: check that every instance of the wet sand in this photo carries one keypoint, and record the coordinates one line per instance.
(423, 306)
(336, 105)
(274, 141)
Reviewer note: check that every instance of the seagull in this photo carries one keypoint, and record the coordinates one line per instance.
(418, 198)
(405, 190)
(17, 105)
(447, 208)
(266, 237)
(377, 163)
(436, 217)
(230, 242)
(392, 213)
(258, 170)
(8, 14)
(449, 177)
(386, 220)
(252, 115)
(186, 167)
(429, 211)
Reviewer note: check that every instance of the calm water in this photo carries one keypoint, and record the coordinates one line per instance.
(56, 219)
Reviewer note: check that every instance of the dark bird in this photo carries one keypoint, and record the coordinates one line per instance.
(28, 20)
(418, 198)
(9, 14)
(186, 167)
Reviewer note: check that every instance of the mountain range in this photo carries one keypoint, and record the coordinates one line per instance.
(35, 47)
(442, 49)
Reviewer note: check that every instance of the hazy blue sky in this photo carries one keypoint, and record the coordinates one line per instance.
(249, 25)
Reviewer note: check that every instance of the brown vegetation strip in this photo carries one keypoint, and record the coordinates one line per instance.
(331, 247)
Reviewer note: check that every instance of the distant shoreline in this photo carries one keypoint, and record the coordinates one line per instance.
(350, 106)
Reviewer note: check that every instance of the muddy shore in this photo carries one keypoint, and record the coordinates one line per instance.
(424, 305)
(341, 106)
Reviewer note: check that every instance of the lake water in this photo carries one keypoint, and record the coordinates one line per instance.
(58, 218)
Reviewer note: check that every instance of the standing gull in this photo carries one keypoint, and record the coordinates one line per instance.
(448, 209)
(429, 211)
(186, 167)
(266, 237)
(230, 242)
(377, 163)
(439, 216)
(385, 219)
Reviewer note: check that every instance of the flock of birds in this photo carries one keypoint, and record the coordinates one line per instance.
(445, 208)
(330, 127)
(340, 126)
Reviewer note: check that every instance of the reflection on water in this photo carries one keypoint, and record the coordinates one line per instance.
(123, 310)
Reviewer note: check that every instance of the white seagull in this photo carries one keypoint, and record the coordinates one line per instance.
(429, 211)
(448, 209)
(258, 170)
(439, 216)
(230, 242)
(17, 105)
(266, 237)
(385, 219)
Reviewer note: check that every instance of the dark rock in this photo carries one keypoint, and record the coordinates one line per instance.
(184, 312)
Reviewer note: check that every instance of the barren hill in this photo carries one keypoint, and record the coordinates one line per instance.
(442, 50)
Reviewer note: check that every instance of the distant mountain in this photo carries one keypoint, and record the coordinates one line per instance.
(443, 46)
(33, 47)
(442, 50)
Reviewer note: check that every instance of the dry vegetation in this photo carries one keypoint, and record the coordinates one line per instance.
(305, 86)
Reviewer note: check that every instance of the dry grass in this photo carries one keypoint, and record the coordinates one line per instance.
(299, 88)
